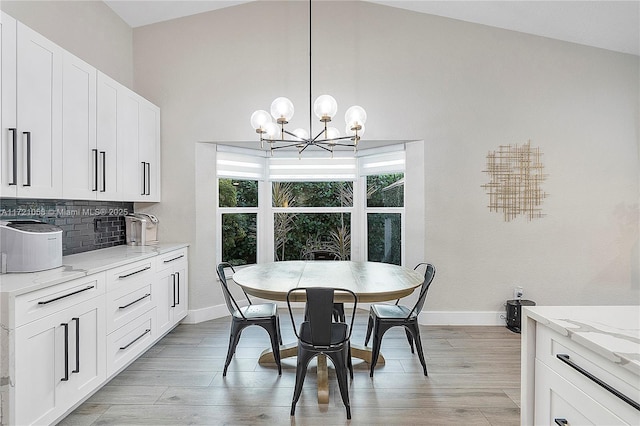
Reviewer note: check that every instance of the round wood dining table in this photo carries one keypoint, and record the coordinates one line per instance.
(370, 281)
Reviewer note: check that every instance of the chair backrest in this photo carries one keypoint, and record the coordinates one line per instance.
(319, 312)
(232, 305)
(429, 273)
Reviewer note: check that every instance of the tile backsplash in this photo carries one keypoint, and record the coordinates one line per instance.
(86, 225)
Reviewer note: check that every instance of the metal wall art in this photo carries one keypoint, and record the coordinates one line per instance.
(516, 174)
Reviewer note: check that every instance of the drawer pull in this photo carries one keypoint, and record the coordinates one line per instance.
(135, 340)
(561, 422)
(565, 358)
(175, 258)
(133, 273)
(66, 295)
(135, 301)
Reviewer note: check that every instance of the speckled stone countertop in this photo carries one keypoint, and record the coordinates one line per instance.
(611, 331)
(80, 265)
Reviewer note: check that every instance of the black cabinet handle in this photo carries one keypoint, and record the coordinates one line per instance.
(144, 177)
(95, 169)
(77, 320)
(148, 179)
(173, 277)
(133, 273)
(175, 258)
(565, 358)
(178, 275)
(104, 171)
(89, 287)
(561, 422)
(66, 352)
(135, 340)
(14, 172)
(135, 301)
(28, 158)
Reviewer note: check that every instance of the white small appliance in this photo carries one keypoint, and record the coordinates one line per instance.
(29, 246)
(141, 229)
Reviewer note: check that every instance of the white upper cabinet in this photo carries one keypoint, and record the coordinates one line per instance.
(149, 150)
(69, 131)
(139, 147)
(9, 136)
(31, 152)
(39, 115)
(107, 138)
(82, 175)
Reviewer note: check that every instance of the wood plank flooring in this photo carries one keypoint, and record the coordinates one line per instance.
(474, 379)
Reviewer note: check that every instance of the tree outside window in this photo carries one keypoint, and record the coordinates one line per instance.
(239, 229)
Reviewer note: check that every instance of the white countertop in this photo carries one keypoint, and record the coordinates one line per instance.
(611, 331)
(80, 265)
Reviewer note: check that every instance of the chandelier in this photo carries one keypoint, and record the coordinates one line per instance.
(325, 108)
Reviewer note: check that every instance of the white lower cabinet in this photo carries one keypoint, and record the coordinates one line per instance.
(172, 288)
(59, 359)
(568, 379)
(71, 337)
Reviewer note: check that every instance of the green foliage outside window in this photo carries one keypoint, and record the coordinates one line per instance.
(385, 190)
(239, 242)
(384, 238)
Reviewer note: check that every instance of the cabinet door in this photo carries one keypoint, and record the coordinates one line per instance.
(172, 293)
(107, 138)
(131, 170)
(39, 115)
(164, 300)
(8, 159)
(59, 359)
(81, 174)
(149, 149)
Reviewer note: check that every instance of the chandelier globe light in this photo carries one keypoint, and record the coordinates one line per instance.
(271, 126)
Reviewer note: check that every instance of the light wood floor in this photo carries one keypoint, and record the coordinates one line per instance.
(474, 379)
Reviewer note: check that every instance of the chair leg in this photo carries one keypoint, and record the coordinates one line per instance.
(416, 336)
(301, 371)
(234, 338)
(369, 329)
(349, 361)
(278, 330)
(409, 339)
(339, 359)
(379, 331)
(274, 334)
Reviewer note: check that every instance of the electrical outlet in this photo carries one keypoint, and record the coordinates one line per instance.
(518, 292)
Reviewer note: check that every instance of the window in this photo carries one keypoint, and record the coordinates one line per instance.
(286, 208)
(238, 204)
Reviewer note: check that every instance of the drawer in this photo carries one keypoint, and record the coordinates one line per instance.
(557, 399)
(130, 273)
(594, 368)
(128, 302)
(168, 260)
(551, 344)
(130, 341)
(40, 303)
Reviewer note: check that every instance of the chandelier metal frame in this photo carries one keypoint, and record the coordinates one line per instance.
(326, 106)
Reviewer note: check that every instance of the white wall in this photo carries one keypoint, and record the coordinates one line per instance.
(463, 88)
(88, 29)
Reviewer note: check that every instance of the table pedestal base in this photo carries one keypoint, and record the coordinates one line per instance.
(291, 350)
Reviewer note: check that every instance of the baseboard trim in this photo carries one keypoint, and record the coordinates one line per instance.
(462, 318)
(196, 316)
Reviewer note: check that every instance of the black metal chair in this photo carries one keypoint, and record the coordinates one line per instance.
(264, 315)
(383, 317)
(318, 334)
